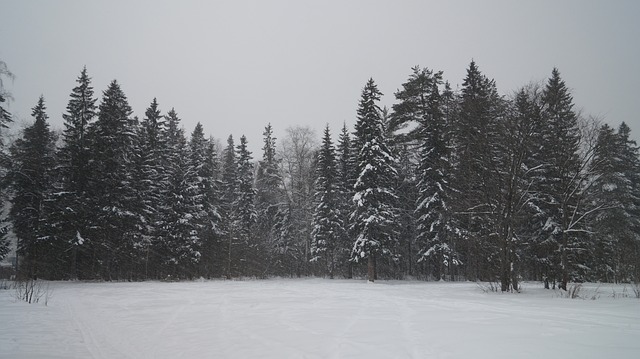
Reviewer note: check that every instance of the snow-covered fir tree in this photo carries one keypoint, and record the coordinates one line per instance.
(151, 181)
(562, 179)
(244, 212)
(74, 159)
(374, 216)
(30, 177)
(202, 190)
(114, 204)
(270, 197)
(5, 119)
(327, 243)
(476, 159)
(420, 102)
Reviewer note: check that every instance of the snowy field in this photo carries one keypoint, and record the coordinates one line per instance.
(316, 318)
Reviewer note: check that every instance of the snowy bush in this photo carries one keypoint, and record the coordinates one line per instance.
(32, 291)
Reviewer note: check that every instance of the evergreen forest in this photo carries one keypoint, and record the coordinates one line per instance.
(463, 184)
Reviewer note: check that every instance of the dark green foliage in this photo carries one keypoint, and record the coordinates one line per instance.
(373, 218)
(485, 188)
(328, 245)
(30, 177)
(270, 199)
(114, 235)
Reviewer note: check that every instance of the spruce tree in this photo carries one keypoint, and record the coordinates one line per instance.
(615, 187)
(202, 195)
(5, 119)
(152, 181)
(229, 183)
(74, 171)
(420, 103)
(243, 210)
(562, 181)
(474, 178)
(328, 228)
(114, 220)
(31, 177)
(269, 196)
(346, 180)
(374, 216)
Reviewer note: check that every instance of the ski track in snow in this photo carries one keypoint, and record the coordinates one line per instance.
(316, 318)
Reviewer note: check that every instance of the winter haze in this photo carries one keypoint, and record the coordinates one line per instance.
(237, 65)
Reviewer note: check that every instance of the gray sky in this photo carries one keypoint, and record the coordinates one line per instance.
(237, 65)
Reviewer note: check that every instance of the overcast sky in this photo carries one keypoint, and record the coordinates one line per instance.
(237, 65)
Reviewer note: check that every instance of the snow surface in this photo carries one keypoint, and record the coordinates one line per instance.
(316, 318)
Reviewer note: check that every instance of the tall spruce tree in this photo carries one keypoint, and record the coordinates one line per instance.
(615, 187)
(74, 157)
(31, 177)
(114, 219)
(346, 180)
(374, 216)
(420, 102)
(5, 119)
(229, 184)
(244, 213)
(476, 160)
(202, 193)
(270, 197)
(151, 181)
(562, 181)
(328, 227)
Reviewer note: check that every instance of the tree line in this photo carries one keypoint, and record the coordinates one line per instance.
(445, 185)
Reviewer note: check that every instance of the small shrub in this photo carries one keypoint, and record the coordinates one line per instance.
(490, 287)
(573, 291)
(32, 291)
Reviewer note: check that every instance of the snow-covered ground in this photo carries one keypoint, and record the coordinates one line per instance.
(316, 318)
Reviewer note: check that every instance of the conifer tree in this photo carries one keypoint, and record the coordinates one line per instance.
(420, 103)
(328, 228)
(229, 183)
(615, 188)
(477, 160)
(74, 156)
(345, 158)
(213, 249)
(269, 196)
(562, 181)
(374, 215)
(243, 209)
(31, 177)
(5, 119)
(202, 195)
(151, 180)
(114, 220)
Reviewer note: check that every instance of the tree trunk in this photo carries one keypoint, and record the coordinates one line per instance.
(371, 268)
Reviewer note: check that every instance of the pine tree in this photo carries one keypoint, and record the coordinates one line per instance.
(374, 216)
(615, 187)
(269, 196)
(420, 103)
(243, 210)
(5, 119)
(346, 180)
(151, 180)
(202, 193)
(229, 183)
(562, 179)
(74, 170)
(213, 248)
(31, 177)
(114, 219)
(328, 228)
(476, 161)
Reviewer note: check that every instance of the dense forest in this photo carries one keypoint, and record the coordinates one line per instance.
(444, 185)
